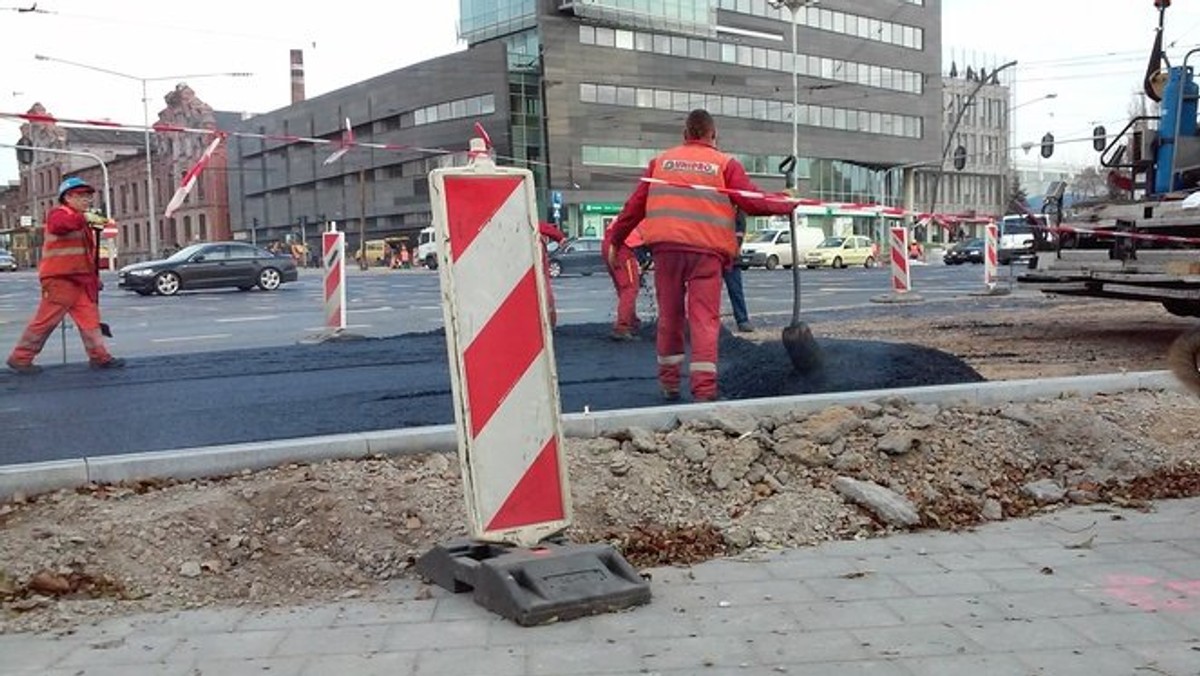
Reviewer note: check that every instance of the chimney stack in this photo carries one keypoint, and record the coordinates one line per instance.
(297, 56)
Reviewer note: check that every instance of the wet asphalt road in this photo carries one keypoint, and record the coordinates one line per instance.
(194, 400)
(290, 390)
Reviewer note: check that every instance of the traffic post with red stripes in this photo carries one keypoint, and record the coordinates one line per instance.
(507, 412)
(901, 274)
(991, 263)
(333, 257)
(991, 255)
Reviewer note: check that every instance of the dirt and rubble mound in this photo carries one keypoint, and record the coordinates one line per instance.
(726, 484)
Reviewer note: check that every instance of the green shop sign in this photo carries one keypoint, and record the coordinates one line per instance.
(601, 207)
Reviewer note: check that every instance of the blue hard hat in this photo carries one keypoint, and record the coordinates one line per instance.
(73, 183)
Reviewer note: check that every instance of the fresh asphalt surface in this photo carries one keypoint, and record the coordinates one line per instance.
(222, 367)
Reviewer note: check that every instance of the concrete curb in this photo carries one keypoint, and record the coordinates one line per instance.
(214, 461)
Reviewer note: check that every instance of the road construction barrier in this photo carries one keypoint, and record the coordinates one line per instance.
(991, 256)
(499, 340)
(901, 277)
(333, 255)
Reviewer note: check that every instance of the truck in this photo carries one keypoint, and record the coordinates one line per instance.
(1143, 242)
(427, 249)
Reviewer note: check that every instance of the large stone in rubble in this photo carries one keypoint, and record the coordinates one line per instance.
(891, 507)
(832, 423)
(731, 421)
(805, 452)
(732, 461)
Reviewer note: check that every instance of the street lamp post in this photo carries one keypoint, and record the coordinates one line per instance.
(153, 238)
(794, 6)
(1004, 182)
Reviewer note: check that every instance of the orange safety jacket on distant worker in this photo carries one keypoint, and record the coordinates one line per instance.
(69, 249)
(695, 218)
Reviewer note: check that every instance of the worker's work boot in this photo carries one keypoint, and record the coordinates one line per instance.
(23, 369)
(670, 395)
(623, 336)
(110, 363)
(745, 327)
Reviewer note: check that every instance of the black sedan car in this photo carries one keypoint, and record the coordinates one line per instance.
(970, 251)
(580, 256)
(208, 266)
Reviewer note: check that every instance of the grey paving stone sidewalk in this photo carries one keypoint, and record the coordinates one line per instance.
(1090, 591)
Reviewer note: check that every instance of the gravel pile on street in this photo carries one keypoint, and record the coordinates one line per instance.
(730, 484)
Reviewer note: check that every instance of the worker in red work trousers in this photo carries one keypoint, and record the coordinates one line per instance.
(70, 279)
(549, 233)
(690, 233)
(627, 278)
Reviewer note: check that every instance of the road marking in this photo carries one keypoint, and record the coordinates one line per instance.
(187, 339)
(369, 310)
(428, 307)
(348, 326)
(232, 320)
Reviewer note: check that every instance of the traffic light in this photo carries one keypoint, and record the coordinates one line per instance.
(1099, 138)
(788, 168)
(24, 155)
(960, 158)
(1047, 145)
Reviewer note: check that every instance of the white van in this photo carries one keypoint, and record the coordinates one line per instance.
(772, 248)
(1016, 236)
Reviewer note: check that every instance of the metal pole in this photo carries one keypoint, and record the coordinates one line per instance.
(795, 94)
(35, 248)
(362, 219)
(153, 239)
(954, 130)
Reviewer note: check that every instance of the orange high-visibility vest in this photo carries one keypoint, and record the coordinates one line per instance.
(697, 218)
(69, 254)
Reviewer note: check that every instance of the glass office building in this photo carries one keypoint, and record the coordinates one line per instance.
(584, 92)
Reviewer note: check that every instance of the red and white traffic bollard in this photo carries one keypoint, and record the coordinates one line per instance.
(333, 256)
(991, 255)
(991, 263)
(506, 409)
(901, 276)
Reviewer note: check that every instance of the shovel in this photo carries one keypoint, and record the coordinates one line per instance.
(105, 330)
(798, 339)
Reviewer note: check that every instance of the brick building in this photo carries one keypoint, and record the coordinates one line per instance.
(66, 151)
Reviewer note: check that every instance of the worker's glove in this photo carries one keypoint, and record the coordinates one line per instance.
(96, 221)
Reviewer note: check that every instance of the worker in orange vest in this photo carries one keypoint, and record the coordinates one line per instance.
(405, 257)
(70, 280)
(685, 213)
(549, 233)
(627, 278)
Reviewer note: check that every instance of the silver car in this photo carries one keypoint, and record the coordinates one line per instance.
(7, 262)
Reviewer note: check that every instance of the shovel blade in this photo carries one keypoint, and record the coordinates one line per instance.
(802, 348)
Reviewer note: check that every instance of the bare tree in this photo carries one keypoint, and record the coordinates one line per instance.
(1088, 183)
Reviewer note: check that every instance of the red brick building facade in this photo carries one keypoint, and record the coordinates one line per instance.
(62, 151)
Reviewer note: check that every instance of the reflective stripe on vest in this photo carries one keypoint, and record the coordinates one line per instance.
(693, 217)
(69, 254)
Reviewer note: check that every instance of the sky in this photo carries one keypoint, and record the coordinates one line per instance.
(1089, 53)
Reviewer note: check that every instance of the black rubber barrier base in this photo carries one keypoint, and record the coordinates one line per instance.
(552, 582)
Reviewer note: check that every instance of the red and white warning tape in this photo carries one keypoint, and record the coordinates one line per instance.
(160, 127)
(1121, 234)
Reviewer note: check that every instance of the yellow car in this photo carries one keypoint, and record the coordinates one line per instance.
(841, 252)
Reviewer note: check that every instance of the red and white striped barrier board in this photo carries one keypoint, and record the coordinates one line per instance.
(901, 279)
(333, 255)
(498, 336)
(991, 255)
